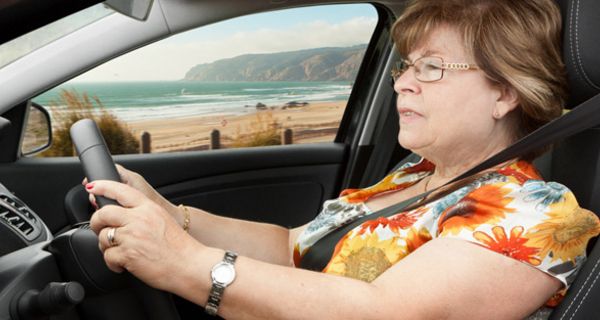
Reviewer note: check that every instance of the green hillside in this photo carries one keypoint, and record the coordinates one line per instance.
(320, 64)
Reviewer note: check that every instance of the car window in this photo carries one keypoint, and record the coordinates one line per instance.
(31, 41)
(273, 78)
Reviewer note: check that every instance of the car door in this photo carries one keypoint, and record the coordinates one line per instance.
(282, 184)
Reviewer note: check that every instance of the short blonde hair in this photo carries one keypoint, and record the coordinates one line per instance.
(515, 42)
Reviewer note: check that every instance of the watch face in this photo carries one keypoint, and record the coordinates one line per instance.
(223, 273)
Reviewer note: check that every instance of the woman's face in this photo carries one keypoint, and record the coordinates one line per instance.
(451, 116)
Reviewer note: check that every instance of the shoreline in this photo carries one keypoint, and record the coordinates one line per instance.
(314, 122)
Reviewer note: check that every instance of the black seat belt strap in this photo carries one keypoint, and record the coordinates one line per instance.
(586, 115)
(317, 257)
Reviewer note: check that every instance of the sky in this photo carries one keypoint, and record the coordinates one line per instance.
(286, 30)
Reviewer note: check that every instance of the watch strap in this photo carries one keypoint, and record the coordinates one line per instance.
(217, 289)
(230, 257)
(214, 299)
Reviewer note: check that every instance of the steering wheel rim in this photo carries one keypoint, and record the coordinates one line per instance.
(83, 243)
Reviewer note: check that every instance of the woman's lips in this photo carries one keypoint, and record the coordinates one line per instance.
(407, 114)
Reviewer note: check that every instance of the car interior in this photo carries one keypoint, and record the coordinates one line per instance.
(43, 207)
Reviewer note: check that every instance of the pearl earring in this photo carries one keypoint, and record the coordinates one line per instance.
(496, 114)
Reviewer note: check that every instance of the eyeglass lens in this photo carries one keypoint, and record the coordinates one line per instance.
(427, 69)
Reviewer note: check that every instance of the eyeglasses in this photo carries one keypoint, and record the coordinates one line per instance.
(429, 69)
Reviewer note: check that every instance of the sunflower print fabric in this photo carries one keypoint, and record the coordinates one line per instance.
(510, 211)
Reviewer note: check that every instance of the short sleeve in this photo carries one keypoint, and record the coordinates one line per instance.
(538, 223)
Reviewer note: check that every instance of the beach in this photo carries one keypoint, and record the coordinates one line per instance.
(181, 115)
(313, 122)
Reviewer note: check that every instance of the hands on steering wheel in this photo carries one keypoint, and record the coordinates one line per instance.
(148, 242)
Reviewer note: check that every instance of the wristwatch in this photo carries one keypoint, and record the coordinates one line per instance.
(222, 274)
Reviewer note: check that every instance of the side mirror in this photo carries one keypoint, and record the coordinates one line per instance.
(37, 135)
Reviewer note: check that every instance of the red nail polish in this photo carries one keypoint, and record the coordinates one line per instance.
(89, 186)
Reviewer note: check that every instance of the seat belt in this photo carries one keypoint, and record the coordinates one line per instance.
(586, 115)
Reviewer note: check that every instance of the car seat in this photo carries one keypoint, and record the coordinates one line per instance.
(575, 161)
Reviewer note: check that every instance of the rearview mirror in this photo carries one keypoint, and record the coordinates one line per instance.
(137, 9)
(38, 131)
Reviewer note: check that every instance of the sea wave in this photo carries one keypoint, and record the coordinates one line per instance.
(157, 100)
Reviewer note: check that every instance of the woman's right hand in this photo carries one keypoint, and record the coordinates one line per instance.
(136, 181)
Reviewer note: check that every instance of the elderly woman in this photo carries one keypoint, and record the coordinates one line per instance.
(476, 76)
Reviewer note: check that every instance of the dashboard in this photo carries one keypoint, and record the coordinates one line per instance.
(64, 277)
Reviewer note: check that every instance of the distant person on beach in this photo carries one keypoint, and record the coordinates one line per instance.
(475, 76)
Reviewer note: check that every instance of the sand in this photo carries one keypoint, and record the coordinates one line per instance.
(316, 122)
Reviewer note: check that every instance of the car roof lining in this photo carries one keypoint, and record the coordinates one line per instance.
(18, 17)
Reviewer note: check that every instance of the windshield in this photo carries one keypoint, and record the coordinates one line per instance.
(36, 39)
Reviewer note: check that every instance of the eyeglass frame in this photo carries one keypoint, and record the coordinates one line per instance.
(396, 73)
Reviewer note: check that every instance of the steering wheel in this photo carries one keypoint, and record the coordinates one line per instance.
(77, 250)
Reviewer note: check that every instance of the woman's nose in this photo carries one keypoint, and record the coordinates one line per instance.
(407, 83)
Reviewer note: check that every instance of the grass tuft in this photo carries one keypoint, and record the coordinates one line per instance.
(264, 130)
(71, 107)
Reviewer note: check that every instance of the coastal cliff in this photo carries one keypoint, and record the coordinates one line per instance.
(319, 64)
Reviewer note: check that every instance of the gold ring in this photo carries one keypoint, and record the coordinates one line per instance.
(110, 235)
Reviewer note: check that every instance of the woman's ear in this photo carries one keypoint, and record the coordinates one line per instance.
(507, 101)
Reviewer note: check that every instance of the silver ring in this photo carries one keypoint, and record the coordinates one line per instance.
(110, 235)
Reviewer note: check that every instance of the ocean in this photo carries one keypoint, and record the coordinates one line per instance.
(132, 101)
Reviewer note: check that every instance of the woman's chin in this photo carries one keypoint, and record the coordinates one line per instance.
(409, 142)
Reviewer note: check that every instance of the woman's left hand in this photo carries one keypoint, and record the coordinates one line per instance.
(147, 241)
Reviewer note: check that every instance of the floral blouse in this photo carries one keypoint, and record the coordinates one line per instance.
(509, 210)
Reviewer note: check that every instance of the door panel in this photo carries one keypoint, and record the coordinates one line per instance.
(284, 185)
(288, 196)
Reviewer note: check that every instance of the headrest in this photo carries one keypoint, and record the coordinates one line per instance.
(581, 48)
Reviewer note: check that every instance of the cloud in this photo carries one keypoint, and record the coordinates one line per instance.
(169, 60)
